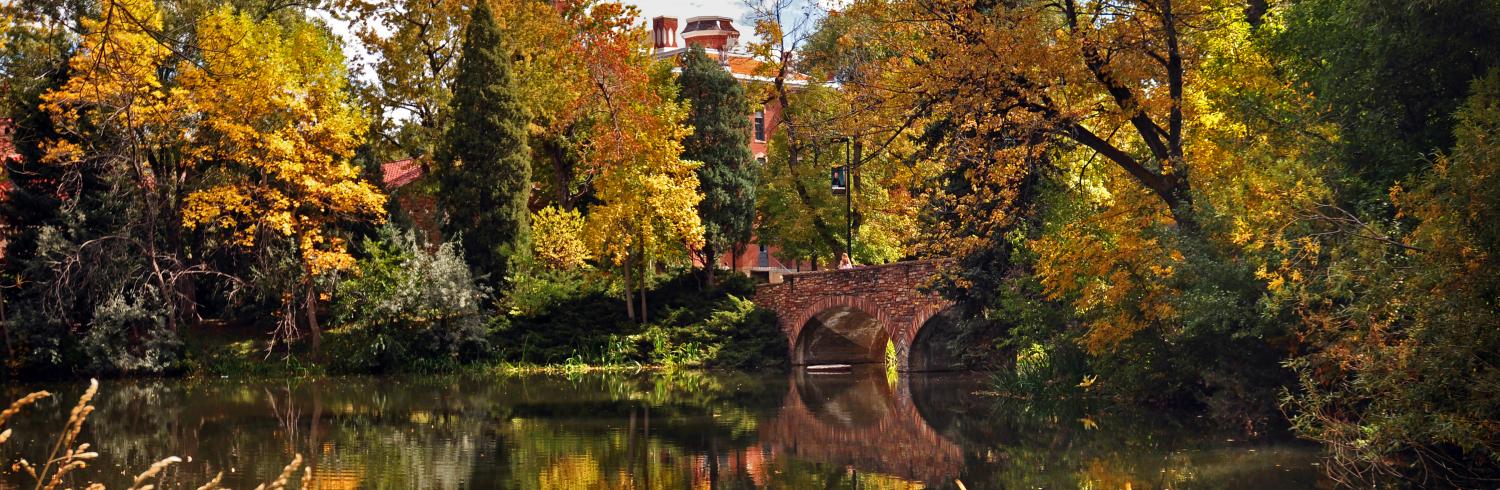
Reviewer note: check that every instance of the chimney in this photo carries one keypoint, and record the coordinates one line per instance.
(664, 32)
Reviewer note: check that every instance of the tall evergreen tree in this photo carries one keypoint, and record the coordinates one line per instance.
(721, 128)
(485, 166)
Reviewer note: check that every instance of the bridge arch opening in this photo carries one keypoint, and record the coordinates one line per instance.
(935, 347)
(841, 335)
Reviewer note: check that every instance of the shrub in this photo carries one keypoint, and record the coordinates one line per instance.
(558, 315)
(718, 330)
(130, 335)
(406, 306)
(557, 238)
(566, 317)
(1402, 374)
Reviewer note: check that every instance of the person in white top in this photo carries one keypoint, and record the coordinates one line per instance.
(844, 262)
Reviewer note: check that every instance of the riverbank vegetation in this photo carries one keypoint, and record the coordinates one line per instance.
(1276, 212)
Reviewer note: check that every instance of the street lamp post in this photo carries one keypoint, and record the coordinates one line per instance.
(849, 198)
(842, 180)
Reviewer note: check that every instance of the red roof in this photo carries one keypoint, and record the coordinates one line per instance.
(400, 172)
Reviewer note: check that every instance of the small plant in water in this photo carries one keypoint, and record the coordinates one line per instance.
(66, 458)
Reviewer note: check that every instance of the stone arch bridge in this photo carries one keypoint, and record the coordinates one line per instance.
(849, 316)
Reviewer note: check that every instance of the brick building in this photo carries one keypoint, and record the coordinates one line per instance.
(719, 37)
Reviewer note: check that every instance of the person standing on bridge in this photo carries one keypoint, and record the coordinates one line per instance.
(844, 262)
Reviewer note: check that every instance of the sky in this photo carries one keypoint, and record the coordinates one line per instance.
(682, 9)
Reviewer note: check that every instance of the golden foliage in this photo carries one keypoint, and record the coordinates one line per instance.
(115, 84)
(557, 238)
(263, 121)
(275, 132)
(1135, 108)
(649, 193)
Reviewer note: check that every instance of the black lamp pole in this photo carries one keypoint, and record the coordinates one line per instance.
(849, 147)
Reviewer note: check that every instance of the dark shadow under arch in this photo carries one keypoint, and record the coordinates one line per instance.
(934, 348)
(842, 335)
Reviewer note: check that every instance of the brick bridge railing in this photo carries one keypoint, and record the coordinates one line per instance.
(884, 297)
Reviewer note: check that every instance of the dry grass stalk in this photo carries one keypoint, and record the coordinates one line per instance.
(214, 483)
(64, 458)
(151, 472)
(23, 465)
(19, 404)
(72, 458)
(285, 477)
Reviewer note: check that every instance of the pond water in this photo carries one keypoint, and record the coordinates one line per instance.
(863, 429)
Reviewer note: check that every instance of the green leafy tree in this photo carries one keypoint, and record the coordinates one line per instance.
(1403, 328)
(1391, 75)
(485, 169)
(727, 178)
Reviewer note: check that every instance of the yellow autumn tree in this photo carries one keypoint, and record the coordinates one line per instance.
(1127, 106)
(249, 142)
(649, 193)
(557, 238)
(275, 131)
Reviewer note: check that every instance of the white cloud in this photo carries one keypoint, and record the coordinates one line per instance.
(682, 9)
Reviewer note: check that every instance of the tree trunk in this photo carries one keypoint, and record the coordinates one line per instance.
(10, 352)
(713, 465)
(312, 320)
(629, 298)
(645, 285)
(710, 265)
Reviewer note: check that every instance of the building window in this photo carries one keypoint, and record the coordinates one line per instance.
(760, 125)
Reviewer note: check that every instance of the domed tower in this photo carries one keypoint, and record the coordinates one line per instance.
(711, 32)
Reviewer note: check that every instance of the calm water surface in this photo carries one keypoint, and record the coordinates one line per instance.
(647, 431)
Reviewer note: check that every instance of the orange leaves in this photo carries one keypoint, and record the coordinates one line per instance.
(649, 193)
(1114, 273)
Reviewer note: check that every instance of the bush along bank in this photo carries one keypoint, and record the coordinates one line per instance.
(416, 308)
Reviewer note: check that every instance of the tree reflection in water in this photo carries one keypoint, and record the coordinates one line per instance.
(647, 430)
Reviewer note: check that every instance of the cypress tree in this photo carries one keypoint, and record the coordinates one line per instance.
(721, 129)
(484, 168)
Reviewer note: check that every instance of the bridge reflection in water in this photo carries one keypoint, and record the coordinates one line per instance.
(867, 422)
(859, 429)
